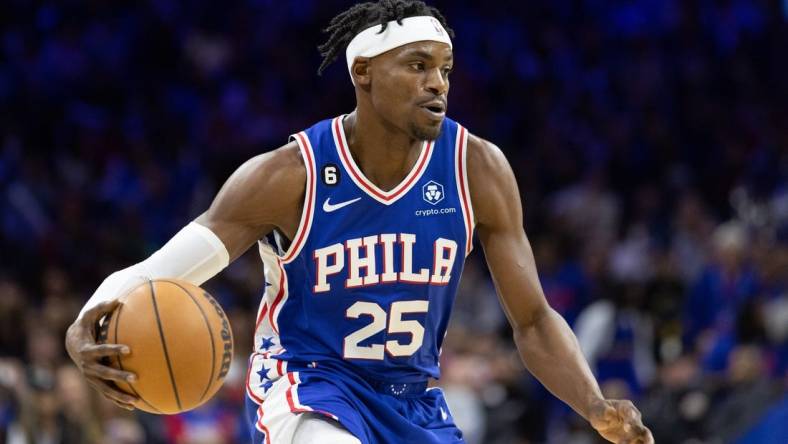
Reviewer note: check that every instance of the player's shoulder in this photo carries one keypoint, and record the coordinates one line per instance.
(484, 157)
(491, 181)
(283, 163)
(286, 164)
(277, 177)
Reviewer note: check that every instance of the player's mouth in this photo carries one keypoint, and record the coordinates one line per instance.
(435, 108)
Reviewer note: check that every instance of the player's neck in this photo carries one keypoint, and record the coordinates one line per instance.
(384, 154)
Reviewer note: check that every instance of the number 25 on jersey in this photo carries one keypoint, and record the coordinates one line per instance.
(352, 349)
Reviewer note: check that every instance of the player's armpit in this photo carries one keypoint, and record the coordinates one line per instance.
(263, 194)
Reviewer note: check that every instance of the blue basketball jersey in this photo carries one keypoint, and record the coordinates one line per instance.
(370, 277)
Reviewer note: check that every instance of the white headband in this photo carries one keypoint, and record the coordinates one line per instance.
(369, 42)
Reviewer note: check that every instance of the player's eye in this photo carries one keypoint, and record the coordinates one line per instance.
(418, 66)
(447, 71)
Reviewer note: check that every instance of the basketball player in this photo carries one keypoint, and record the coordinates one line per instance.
(363, 223)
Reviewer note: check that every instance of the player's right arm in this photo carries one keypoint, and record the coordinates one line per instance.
(264, 194)
(546, 343)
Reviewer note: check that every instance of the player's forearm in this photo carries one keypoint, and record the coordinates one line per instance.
(194, 254)
(550, 351)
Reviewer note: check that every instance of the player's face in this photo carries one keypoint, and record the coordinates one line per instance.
(410, 87)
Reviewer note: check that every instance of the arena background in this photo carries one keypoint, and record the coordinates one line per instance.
(649, 139)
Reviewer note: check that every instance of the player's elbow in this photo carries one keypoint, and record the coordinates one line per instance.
(530, 319)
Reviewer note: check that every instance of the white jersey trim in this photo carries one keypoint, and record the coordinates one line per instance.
(463, 190)
(275, 295)
(279, 409)
(308, 211)
(355, 173)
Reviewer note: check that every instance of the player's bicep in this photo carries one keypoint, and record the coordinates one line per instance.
(259, 196)
(511, 262)
(499, 215)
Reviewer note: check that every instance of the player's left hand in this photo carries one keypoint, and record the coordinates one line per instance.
(619, 421)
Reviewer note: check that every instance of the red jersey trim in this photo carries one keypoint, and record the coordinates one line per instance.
(249, 390)
(281, 296)
(384, 197)
(309, 199)
(461, 172)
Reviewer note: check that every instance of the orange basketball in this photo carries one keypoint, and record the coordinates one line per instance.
(180, 340)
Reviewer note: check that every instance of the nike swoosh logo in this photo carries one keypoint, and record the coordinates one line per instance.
(329, 207)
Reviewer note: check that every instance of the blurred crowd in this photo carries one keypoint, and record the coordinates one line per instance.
(649, 139)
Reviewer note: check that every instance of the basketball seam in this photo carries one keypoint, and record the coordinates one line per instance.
(164, 344)
(210, 333)
(120, 364)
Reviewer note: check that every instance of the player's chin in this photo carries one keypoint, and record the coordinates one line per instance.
(429, 130)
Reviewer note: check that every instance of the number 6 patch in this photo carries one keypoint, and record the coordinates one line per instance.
(330, 174)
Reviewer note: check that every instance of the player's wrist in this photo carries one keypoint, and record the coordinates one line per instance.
(594, 405)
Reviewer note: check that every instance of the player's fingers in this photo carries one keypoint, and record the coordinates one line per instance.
(629, 411)
(123, 405)
(95, 351)
(643, 434)
(639, 430)
(606, 427)
(112, 394)
(119, 398)
(609, 419)
(633, 423)
(611, 414)
(626, 428)
(638, 439)
(95, 312)
(107, 373)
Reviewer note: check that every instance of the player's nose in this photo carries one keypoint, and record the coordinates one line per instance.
(436, 83)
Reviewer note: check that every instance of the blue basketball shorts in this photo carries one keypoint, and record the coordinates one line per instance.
(373, 411)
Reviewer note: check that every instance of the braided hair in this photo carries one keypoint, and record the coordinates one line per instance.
(346, 25)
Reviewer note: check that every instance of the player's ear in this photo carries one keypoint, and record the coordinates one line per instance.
(361, 72)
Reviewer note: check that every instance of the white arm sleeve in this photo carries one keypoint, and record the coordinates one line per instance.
(195, 254)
